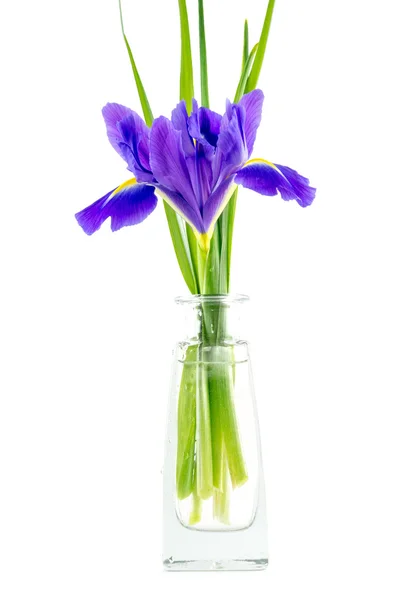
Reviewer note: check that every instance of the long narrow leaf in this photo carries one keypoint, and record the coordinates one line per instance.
(193, 246)
(147, 113)
(186, 77)
(245, 74)
(257, 65)
(227, 236)
(226, 221)
(212, 270)
(205, 101)
(181, 251)
(228, 216)
(178, 237)
(245, 53)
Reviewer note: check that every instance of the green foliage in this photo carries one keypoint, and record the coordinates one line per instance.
(186, 75)
(257, 65)
(203, 56)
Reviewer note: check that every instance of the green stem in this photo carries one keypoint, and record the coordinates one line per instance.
(221, 497)
(203, 56)
(216, 432)
(186, 426)
(263, 40)
(194, 252)
(245, 52)
(197, 503)
(222, 388)
(203, 434)
(201, 268)
(186, 75)
(197, 506)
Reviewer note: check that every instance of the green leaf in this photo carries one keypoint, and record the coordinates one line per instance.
(179, 241)
(203, 56)
(186, 424)
(181, 248)
(257, 65)
(227, 235)
(186, 76)
(226, 221)
(147, 113)
(194, 249)
(245, 74)
(212, 267)
(245, 54)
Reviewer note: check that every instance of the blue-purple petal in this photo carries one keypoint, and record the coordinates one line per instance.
(269, 179)
(179, 118)
(129, 204)
(168, 161)
(194, 162)
(177, 202)
(113, 113)
(132, 205)
(135, 149)
(217, 202)
(231, 147)
(129, 136)
(252, 103)
(204, 126)
(90, 219)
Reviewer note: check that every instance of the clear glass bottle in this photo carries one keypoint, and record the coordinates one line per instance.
(214, 498)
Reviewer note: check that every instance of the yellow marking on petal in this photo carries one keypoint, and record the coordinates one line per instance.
(123, 186)
(203, 240)
(260, 161)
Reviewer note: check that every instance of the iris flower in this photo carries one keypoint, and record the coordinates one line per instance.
(194, 162)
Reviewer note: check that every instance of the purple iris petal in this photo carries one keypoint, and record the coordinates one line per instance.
(194, 161)
(135, 149)
(93, 217)
(128, 206)
(204, 127)
(178, 203)
(238, 133)
(113, 113)
(252, 103)
(132, 205)
(168, 162)
(179, 118)
(231, 146)
(129, 136)
(217, 202)
(269, 180)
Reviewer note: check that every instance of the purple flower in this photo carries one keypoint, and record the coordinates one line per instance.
(194, 162)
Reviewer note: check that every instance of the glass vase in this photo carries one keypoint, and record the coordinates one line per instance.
(214, 498)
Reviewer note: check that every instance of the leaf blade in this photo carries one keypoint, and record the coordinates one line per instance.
(146, 108)
(245, 74)
(245, 53)
(194, 249)
(205, 100)
(186, 76)
(257, 66)
(181, 249)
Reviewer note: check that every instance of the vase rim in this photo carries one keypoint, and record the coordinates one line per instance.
(212, 299)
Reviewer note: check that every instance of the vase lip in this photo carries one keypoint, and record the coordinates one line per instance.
(225, 299)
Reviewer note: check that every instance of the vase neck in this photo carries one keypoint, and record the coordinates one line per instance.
(212, 320)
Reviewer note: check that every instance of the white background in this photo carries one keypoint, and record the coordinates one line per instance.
(87, 324)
